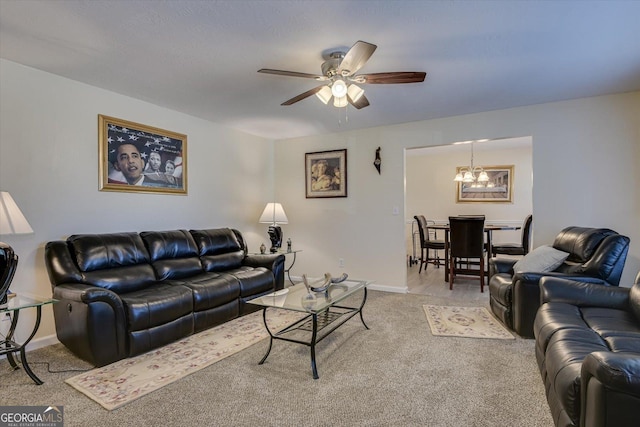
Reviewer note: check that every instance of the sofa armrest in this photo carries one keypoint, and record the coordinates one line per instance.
(273, 262)
(501, 265)
(91, 322)
(583, 293)
(610, 390)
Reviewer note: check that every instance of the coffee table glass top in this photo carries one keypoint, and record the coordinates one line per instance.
(297, 298)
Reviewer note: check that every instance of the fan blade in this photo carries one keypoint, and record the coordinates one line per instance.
(303, 95)
(292, 74)
(394, 77)
(361, 103)
(357, 56)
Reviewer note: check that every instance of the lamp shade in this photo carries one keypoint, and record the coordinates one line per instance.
(324, 94)
(273, 214)
(12, 221)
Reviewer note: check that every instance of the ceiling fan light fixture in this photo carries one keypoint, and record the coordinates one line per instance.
(340, 101)
(324, 94)
(339, 88)
(355, 92)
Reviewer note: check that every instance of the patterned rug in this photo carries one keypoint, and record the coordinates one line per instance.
(471, 322)
(126, 380)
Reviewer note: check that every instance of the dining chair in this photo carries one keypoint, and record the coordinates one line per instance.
(427, 244)
(466, 242)
(516, 248)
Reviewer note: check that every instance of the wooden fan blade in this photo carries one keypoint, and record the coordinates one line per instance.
(361, 103)
(357, 56)
(303, 95)
(292, 74)
(394, 77)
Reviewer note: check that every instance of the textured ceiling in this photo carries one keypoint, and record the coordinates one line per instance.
(201, 57)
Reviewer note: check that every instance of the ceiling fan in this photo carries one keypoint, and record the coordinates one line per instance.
(339, 75)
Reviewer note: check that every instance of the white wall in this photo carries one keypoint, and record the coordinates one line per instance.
(49, 164)
(585, 172)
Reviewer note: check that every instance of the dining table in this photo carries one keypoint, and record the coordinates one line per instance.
(489, 228)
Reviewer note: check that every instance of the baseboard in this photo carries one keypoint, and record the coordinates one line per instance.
(39, 343)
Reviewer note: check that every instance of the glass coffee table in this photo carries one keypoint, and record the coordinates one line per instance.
(325, 314)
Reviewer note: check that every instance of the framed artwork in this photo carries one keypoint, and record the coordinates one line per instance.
(326, 174)
(499, 188)
(139, 158)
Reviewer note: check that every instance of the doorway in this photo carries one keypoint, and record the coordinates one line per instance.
(430, 190)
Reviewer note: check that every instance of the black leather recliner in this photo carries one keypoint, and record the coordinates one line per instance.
(596, 255)
(588, 352)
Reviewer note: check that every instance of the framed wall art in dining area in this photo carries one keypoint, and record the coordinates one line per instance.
(326, 174)
(498, 189)
(138, 158)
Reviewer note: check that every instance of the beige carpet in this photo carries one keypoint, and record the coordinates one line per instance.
(124, 381)
(471, 322)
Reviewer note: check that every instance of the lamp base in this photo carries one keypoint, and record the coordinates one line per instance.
(275, 234)
(9, 262)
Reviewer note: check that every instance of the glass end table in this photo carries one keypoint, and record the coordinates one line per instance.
(8, 346)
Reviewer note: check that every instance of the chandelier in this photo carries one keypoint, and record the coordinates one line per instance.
(468, 174)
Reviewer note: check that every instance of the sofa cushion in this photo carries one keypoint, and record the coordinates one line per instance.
(100, 251)
(174, 254)
(156, 305)
(608, 322)
(253, 281)
(619, 343)
(219, 249)
(118, 262)
(541, 259)
(554, 316)
(212, 290)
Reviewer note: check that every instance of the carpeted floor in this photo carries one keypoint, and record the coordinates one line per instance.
(396, 373)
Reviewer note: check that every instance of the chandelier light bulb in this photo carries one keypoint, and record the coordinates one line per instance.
(339, 88)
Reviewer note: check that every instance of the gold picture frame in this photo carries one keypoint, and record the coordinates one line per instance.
(138, 158)
(326, 174)
(499, 188)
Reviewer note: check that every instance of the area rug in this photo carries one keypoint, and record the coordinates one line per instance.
(471, 322)
(124, 381)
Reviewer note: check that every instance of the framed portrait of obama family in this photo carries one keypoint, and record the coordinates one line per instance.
(326, 174)
(139, 158)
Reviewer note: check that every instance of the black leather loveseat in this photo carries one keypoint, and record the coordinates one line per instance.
(124, 294)
(596, 255)
(588, 352)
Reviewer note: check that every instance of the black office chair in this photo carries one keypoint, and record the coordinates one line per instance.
(8, 264)
(428, 244)
(516, 248)
(466, 245)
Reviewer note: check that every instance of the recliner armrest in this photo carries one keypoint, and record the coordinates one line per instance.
(501, 265)
(583, 292)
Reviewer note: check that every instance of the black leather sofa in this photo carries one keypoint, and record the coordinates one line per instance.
(588, 352)
(596, 255)
(123, 294)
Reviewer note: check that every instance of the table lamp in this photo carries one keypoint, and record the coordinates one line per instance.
(274, 214)
(12, 221)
